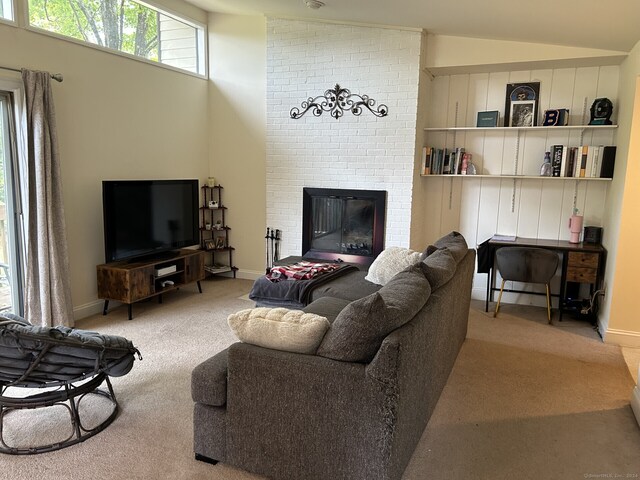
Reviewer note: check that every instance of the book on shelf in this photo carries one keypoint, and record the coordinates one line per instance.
(426, 161)
(446, 166)
(571, 162)
(595, 166)
(556, 160)
(457, 160)
(590, 152)
(608, 161)
(583, 161)
(563, 162)
(466, 160)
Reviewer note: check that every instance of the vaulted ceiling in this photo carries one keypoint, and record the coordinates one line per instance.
(608, 25)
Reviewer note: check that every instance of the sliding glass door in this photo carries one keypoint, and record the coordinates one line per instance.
(10, 217)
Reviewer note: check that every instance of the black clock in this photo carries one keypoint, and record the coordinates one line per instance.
(601, 111)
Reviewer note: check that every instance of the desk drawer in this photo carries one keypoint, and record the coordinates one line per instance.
(582, 275)
(588, 260)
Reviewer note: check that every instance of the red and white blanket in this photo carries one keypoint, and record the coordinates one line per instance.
(300, 271)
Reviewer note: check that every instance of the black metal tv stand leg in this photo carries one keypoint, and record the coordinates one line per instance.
(199, 286)
(106, 306)
(130, 311)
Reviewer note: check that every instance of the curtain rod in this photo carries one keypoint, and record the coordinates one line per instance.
(55, 76)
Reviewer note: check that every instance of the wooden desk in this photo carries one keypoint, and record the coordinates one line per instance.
(581, 263)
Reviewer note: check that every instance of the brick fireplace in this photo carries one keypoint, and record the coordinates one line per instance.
(364, 152)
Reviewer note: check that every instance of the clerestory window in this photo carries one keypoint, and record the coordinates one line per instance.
(125, 26)
(6, 9)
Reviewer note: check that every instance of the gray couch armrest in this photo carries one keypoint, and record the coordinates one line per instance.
(209, 380)
(276, 398)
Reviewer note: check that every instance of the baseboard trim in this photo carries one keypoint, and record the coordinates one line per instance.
(635, 403)
(88, 309)
(249, 274)
(624, 338)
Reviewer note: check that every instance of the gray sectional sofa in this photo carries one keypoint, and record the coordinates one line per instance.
(356, 409)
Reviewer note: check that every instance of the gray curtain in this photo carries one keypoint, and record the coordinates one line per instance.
(47, 289)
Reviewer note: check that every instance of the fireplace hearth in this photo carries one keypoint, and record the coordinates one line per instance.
(340, 224)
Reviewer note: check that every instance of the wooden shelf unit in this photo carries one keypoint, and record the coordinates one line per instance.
(217, 232)
(131, 281)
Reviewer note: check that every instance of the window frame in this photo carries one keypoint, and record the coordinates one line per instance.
(163, 10)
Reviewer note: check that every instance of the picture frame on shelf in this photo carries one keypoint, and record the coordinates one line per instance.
(219, 242)
(488, 119)
(516, 93)
(558, 117)
(209, 244)
(522, 113)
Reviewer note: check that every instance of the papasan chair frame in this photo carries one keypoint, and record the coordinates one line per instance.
(67, 364)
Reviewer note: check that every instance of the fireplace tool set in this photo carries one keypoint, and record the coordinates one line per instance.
(272, 240)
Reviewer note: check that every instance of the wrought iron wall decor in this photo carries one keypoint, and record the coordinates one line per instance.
(337, 101)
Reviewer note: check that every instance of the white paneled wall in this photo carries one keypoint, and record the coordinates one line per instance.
(304, 60)
(480, 207)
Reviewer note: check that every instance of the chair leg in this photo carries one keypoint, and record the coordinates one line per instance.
(548, 303)
(495, 314)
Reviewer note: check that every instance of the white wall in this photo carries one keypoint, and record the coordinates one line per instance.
(618, 322)
(303, 60)
(117, 118)
(237, 46)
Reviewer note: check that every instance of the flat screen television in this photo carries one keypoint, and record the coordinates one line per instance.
(148, 217)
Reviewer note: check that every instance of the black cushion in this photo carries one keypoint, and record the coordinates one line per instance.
(70, 353)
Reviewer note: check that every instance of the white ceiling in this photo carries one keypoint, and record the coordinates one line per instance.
(604, 24)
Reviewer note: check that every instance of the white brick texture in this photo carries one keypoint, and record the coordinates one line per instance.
(304, 60)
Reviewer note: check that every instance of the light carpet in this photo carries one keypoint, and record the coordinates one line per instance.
(525, 400)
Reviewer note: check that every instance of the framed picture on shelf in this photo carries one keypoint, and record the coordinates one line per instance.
(517, 95)
(522, 113)
(220, 242)
(209, 244)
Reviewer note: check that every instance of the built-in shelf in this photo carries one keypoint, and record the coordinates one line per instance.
(568, 127)
(595, 61)
(522, 177)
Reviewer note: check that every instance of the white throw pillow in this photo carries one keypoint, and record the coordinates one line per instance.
(279, 328)
(391, 261)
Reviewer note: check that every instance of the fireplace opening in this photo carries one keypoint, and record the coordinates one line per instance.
(343, 224)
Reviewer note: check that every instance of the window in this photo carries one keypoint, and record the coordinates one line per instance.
(6, 9)
(125, 26)
(10, 219)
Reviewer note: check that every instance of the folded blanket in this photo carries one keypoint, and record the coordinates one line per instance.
(292, 293)
(300, 271)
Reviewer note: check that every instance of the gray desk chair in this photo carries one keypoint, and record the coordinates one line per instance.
(526, 265)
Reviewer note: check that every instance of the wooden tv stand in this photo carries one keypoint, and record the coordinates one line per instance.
(131, 281)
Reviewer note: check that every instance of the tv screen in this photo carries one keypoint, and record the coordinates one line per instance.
(148, 217)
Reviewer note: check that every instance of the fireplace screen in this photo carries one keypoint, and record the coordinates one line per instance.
(346, 224)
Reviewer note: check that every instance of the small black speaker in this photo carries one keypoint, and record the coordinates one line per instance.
(592, 235)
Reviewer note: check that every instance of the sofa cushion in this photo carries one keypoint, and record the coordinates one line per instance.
(350, 286)
(328, 307)
(362, 325)
(454, 241)
(279, 328)
(390, 262)
(439, 267)
(209, 380)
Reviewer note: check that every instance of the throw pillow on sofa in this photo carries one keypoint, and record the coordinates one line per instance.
(439, 267)
(359, 329)
(454, 241)
(390, 262)
(279, 328)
